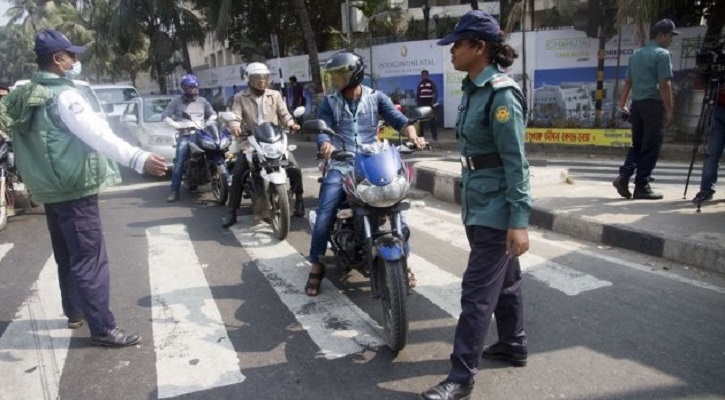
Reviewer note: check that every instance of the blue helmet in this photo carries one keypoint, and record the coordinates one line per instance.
(189, 81)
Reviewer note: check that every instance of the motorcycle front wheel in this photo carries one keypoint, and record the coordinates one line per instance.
(220, 186)
(393, 291)
(280, 211)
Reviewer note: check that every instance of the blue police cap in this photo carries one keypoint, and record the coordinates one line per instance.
(475, 24)
(664, 26)
(50, 41)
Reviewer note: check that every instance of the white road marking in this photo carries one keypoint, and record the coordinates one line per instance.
(336, 325)
(193, 350)
(556, 276)
(34, 347)
(135, 186)
(442, 288)
(5, 249)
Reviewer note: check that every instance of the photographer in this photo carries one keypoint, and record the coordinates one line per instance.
(715, 139)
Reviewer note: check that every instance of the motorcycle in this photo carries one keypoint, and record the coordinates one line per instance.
(206, 164)
(368, 233)
(265, 181)
(11, 187)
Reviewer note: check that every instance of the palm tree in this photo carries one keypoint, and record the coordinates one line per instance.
(308, 34)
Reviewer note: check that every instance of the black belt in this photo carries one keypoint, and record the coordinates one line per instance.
(483, 161)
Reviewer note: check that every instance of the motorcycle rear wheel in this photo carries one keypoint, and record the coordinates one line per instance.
(393, 291)
(280, 212)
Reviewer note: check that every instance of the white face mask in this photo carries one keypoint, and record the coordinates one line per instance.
(75, 72)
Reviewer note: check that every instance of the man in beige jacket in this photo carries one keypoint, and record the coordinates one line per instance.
(254, 106)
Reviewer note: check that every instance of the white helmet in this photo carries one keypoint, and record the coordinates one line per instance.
(257, 75)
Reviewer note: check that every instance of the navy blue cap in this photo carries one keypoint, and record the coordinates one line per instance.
(50, 41)
(664, 26)
(475, 24)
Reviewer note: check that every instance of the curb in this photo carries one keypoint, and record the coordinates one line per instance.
(446, 186)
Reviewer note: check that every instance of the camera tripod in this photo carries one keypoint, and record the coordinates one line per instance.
(704, 128)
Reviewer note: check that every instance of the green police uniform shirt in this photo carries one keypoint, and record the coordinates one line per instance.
(647, 67)
(498, 197)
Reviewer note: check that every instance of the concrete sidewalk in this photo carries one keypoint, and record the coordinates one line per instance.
(593, 211)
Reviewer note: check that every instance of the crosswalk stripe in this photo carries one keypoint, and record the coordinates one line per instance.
(336, 325)
(556, 276)
(34, 347)
(193, 350)
(440, 287)
(5, 249)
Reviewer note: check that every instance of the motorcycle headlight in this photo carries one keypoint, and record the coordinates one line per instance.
(383, 196)
(207, 144)
(272, 150)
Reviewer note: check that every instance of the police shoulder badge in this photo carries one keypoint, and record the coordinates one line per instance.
(503, 114)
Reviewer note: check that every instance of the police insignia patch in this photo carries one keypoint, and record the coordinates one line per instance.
(77, 108)
(503, 114)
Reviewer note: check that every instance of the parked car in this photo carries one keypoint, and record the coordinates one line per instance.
(115, 99)
(143, 121)
(85, 89)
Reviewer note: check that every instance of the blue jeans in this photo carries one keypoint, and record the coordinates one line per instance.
(331, 196)
(713, 149)
(182, 152)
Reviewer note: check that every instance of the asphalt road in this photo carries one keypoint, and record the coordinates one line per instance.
(223, 314)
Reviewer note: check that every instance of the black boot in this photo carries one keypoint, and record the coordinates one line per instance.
(230, 219)
(642, 191)
(622, 185)
(702, 196)
(299, 208)
(448, 390)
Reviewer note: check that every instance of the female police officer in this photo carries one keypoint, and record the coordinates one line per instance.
(495, 202)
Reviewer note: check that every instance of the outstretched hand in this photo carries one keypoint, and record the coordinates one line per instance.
(155, 165)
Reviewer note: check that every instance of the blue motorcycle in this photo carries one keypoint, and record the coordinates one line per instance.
(206, 164)
(368, 233)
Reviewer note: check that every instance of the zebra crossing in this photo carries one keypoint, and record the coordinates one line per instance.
(193, 350)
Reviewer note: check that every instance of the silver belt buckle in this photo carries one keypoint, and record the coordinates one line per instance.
(465, 163)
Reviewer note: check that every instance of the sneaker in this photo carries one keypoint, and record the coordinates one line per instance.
(644, 192)
(703, 195)
(448, 390)
(75, 323)
(115, 338)
(499, 351)
(622, 185)
(173, 196)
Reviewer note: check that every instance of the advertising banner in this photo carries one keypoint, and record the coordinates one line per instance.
(598, 137)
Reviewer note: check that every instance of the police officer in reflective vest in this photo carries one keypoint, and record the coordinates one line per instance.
(495, 201)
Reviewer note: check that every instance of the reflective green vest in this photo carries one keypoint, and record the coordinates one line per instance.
(55, 164)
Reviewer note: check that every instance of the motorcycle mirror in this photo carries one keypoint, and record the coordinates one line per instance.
(314, 126)
(422, 113)
(298, 112)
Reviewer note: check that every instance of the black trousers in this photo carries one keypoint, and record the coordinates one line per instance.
(76, 235)
(491, 285)
(240, 166)
(648, 130)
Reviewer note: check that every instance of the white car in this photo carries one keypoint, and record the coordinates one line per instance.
(114, 99)
(85, 89)
(143, 121)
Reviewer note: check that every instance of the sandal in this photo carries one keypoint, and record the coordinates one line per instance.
(314, 280)
(412, 281)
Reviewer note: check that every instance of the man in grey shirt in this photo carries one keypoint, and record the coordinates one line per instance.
(200, 110)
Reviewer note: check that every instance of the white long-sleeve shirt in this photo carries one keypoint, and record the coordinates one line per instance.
(93, 130)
